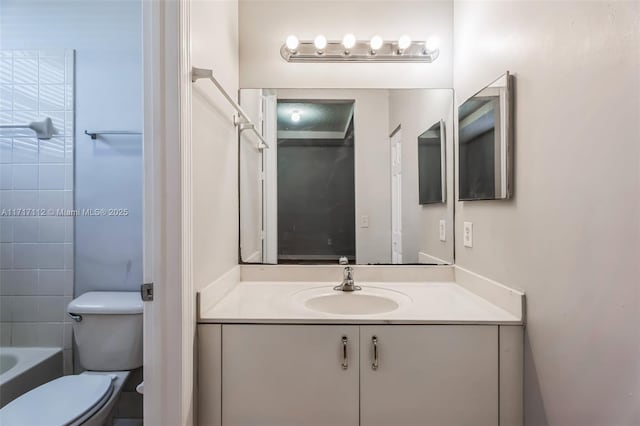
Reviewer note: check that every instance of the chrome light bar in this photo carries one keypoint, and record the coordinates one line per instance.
(335, 51)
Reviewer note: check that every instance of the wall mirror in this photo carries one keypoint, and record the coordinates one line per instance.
(432, 165)
(485, 143)
(361, 173)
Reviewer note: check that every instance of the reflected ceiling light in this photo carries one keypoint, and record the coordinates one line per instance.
(292, 43)
(295, 116)
(404, 42)
(432, 44)
(375, 43)
(348, 41)
(320, 42)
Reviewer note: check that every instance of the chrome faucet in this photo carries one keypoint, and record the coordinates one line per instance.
(347, 279)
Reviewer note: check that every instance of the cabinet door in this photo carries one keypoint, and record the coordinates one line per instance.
(441, 375)
(298, 375)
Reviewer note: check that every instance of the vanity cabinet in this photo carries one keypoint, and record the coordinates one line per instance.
(293, 375)
(428, 374)
(368, 375)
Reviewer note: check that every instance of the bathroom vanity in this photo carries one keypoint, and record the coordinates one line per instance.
(284, 348)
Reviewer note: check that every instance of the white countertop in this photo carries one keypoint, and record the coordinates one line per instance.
(430, 303)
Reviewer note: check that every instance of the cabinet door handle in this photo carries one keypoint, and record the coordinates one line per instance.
(345, 359)
(374, 343)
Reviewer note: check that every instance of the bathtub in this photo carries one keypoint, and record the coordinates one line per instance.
(22, 369)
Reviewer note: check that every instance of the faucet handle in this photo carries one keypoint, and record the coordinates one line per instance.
(343, 260)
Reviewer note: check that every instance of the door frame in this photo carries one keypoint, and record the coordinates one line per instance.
(169, 320)
(395, 149)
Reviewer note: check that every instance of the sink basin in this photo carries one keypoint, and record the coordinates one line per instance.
(352, 304)
(368, 301)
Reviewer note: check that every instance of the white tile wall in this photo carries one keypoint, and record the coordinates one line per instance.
(36, 251)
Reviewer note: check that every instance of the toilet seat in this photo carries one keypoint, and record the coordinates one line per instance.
(65, 401)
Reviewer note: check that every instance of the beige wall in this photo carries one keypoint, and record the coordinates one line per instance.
(571, 236)
(264, 25)
(214, 44)
(416, 111)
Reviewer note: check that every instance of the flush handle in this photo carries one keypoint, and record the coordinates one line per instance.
(374, 343)
(345, 359)
(75, 317)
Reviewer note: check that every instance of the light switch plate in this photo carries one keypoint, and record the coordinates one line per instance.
(467, 234)
(364, 221)
(443, 230)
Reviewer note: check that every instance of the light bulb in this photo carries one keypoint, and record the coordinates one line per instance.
(432, 44)
(348, 41)
(404, 42)
(375, 43)
(295, 116)
(320, 42)
(292, 42)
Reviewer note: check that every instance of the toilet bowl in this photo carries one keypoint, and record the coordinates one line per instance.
(108, 333)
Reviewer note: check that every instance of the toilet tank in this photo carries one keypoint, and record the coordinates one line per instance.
(107, 326)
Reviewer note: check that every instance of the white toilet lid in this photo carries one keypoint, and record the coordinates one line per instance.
(59, 402)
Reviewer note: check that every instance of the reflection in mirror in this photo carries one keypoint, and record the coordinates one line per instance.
(432, 164)
(485, 143)
(361, 173)
(315, 173)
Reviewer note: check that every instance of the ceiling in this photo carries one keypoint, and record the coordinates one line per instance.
(318, 119)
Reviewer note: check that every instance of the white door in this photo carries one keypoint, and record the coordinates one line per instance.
(429, 375)
(396, 196)
(289, 375)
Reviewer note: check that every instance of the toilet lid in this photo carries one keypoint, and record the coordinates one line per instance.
(59, 402)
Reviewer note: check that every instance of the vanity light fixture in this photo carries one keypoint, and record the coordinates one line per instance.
(432, 44)
(350, 49)
(292, 43)
(375, 44)
(403, 43)
(348, 41)
(320, 42)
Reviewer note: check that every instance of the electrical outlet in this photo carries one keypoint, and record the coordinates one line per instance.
(443, 230)
(467, 234)
(364, 221)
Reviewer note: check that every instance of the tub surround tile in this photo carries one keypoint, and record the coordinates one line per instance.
(22, 282)
(25, 230)
(36, 275)
(51, 229)
(52, 69)
(51, 282)
(25, 97)
(6, 230)
(25, 176)
(6, 255)
(52, 176)
(5, 333)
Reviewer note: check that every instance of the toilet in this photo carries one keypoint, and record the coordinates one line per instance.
(108, 333)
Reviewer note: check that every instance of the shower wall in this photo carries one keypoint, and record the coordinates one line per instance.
(107, 39)
(36, 200)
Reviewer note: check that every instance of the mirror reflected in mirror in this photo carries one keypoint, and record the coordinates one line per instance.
(360, 173)
(432, 164)
(485, 143)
